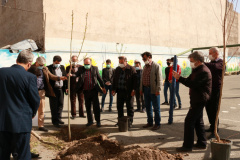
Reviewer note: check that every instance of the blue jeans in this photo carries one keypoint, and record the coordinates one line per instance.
(166, 86)
(110, 95)
(177, 94)
(151, 100)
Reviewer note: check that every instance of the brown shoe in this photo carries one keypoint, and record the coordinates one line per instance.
(147, 125)
(156, 127)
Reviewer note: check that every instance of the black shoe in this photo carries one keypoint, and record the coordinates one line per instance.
(198, 146)
(73, 117)
(89, 124)
(156, 127)
(183, 149)
(110, 110)
(130, 125)
(34, 155)
(43, 129)
(83, 116)
(98, 124)
(143, 110)
(180, 107)
(116, 124)
(165, 103)
(137, 110)
(61, 122)
(57, 125)
(212, 135)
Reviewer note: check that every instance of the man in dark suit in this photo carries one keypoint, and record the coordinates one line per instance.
(200, 84)
(88, 82)
(19, 103)
(59, 87)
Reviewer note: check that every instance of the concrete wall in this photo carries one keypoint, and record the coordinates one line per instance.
(19, 24)
(169, 23)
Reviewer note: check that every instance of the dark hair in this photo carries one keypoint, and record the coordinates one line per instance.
(57, 58)
(148, 54)
(168, 60)
(197, 56)
(172, 59)
(108, 61)
(122, 57)
(34, 70)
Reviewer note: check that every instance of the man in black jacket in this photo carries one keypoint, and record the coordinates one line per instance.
(200, 84)
(59, 87)
(89, 78)
(124, 84)
(215, 66)
(19, 102)
(139, 97)
(107, 76)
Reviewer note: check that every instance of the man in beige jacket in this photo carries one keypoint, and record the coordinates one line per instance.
(44, 89)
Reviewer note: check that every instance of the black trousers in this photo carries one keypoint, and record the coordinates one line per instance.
(56, 105)
(212, 107)
(17, 144)
(194, 120)
(139, 99)
(90, 97)
(122, 97)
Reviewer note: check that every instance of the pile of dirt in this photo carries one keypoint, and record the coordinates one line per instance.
(100, 147)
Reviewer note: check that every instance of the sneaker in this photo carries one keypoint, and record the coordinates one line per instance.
(165, 103)
(198, 146)
(102, 110)
(183, 149)
(98, 124)
(89, 124)
(147, 125)
(156, 127)
(43, 129)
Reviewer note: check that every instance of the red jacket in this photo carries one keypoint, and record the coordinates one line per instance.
(171, 70)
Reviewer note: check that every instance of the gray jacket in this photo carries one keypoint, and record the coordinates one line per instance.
(155, 78)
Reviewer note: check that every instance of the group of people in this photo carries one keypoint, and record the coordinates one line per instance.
(23, 94)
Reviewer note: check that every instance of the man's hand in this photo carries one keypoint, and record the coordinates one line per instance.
(176, 75)
(133, 93)
(170, 81)
(108, 83)
(157, 93)
(69, 74)
(63, 78)
(113, 93)
(66, 90)
(141, 93)
(104, 90)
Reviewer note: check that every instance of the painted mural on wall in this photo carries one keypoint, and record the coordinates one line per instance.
(98, 59)
(7, 58)
(233, 64)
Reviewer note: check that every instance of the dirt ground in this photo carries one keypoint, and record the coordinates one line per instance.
(89, 143)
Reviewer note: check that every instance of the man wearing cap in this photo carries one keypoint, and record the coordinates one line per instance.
(44, 88)
(124, 84)
(139, 98)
